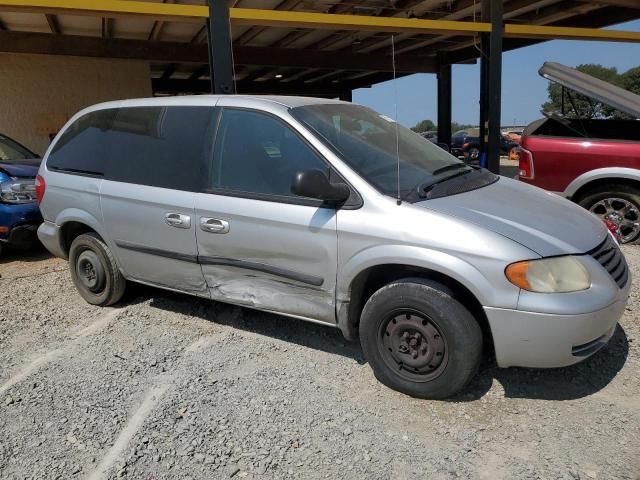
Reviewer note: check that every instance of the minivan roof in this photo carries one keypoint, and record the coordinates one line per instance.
(287, 101)
(595, 88)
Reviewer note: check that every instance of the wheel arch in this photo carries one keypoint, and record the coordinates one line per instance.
(373, 277)
(74, 222)
(599, 177)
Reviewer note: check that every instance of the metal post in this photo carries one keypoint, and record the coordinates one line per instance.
(444, 104)
(220, 54)
(495, 86)
(346, 95)
(484, 80)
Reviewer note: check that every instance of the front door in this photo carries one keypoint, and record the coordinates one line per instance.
(259, 245)
(155, 159)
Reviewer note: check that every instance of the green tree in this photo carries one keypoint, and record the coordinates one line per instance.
(631, 80)
(585, 107)
(455, 126)
(424, 126)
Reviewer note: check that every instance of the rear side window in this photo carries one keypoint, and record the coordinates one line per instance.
(165, 147)
(80, 149)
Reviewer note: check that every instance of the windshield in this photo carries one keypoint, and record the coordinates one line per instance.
(366, 141)
(11, 151)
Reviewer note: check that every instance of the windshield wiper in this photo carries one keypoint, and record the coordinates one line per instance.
(425, 188)
(453, 166)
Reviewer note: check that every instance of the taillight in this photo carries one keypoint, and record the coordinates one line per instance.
(41, 186)
(525, 163)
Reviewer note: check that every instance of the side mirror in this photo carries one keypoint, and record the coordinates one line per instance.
(315, 184)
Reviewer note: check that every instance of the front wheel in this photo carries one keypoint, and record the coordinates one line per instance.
(94, 270)
(619, 204)
(419, 339)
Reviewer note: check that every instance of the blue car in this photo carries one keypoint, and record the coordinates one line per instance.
(19, 212)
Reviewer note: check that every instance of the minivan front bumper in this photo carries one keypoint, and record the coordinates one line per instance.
(543, 340)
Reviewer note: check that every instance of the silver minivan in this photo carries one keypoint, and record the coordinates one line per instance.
(329, 212)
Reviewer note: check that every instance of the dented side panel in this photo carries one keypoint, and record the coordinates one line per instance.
(275, 256)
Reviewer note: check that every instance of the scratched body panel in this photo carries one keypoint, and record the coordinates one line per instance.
(249, 266)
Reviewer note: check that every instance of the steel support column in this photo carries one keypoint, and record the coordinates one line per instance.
(444, 104)
(484, 81)
(220, 52)
(495, 86)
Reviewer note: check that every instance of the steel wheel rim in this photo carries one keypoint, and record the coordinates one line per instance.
(413, 345)
(623, 213)
(90, 271)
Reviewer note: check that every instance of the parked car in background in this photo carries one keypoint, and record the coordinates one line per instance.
(329, 212)
(433, 138)
(430, 135)
(471, 148)
(595, 163)
(459, 138)
(19, 213)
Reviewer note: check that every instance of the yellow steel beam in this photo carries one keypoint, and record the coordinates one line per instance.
(275, 18)
(570, 33)
(331, 21)
(109, 8)
(242, 16)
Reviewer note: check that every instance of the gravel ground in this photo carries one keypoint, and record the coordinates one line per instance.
(169, 386)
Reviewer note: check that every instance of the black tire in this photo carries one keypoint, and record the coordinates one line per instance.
(94, 270)
(393, 319)
(592, 201)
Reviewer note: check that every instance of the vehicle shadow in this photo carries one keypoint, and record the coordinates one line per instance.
(568, 383)
(36, 253)
(311, 335)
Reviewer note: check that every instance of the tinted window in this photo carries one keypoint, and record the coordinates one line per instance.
(81, 146)
(257, 153)
(160, 146)
(11, 150)
(383, 152)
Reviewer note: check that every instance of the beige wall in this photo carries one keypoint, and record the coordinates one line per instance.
(39, 93)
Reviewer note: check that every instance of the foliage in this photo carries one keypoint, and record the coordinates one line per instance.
(631, 80)
(424, 126)
(428, 126)
(455, 126)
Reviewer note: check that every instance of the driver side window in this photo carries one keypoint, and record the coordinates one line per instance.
(257, 153)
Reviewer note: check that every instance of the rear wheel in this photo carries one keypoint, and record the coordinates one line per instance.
(94, 270)
(619, 204)
(419, 340)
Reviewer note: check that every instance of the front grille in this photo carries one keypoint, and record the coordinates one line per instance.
(611, 258)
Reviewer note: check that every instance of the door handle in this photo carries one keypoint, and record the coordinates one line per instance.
(213, 225)
(178, 220)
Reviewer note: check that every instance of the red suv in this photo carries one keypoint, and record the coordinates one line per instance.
(596, 163)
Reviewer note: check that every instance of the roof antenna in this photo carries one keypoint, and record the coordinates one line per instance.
(395, 101)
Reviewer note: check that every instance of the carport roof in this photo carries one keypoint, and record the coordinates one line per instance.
(293, 58)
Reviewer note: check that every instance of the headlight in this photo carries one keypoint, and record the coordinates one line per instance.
(549, 275)
(18, 190)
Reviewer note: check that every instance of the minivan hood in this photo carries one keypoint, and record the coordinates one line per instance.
(541, 221)
(27, 169)
(592, 87)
